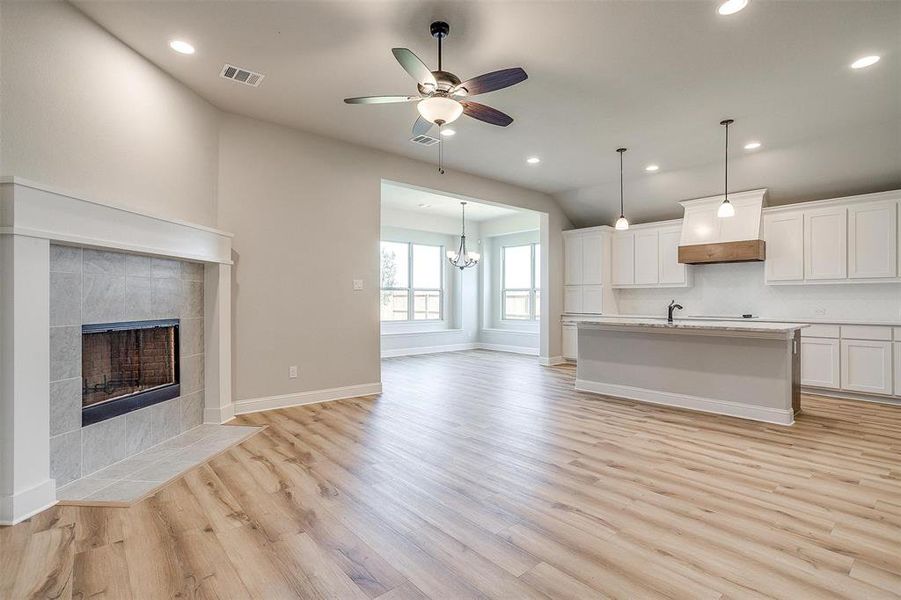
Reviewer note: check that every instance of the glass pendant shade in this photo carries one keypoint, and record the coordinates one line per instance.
(725, 210)
(622, 223)
(462, 258)
(439, 109)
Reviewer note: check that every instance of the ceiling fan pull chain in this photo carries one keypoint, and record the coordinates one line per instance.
(440, 148)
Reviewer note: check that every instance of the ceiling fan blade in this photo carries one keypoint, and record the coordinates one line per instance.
(489, 82)
(486, 113)
(421, 127)
(415, 67)
(381, 99)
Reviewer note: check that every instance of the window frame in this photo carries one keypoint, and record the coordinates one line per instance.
(534, 291)
(410, 289)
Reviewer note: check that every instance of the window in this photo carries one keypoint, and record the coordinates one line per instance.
(412, 276)
(521, 295)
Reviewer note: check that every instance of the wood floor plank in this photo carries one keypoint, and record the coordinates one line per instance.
(482, 475)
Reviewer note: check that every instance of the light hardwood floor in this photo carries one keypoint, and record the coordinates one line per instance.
(481, 474)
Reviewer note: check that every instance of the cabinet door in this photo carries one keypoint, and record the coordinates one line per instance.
(592, 258)
(570, 342)
(820, 365)
(572, 256)
(826, 244)
(872, 241)
(623, 259)
(671, 271)
(784, 234)
(897, 368)
(646, 256)
(867, 366)
(592, 299)
(572, 299)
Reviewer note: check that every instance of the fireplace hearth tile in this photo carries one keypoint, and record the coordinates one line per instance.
(133, 478)
(191, 374)
(166, 420)
(138, 431)
(191, 411)
(190, 336)
(65, 457)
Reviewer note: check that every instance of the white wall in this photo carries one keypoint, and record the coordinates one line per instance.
(305, 214)
(83, 112)
(737, 288)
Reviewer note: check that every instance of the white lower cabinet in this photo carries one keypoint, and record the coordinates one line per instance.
(867, 366)
(570, 342)
(897, 365)
(820, 363)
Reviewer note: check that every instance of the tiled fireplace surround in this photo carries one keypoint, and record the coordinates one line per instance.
(67, 261)
(96, 286)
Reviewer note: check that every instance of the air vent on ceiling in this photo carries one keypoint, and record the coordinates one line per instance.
(424, 140)
(240, 75)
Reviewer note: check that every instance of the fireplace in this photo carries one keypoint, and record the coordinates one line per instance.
(127, 366)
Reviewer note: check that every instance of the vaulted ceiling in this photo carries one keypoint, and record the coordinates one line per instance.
(656, 77)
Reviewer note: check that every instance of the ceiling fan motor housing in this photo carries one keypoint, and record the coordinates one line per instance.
(446, 81)
(439, 29)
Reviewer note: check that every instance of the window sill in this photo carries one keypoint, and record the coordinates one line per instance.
(511, 331)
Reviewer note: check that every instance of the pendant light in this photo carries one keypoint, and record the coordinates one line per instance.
(622, 223)
(463, 258)
(726, 209)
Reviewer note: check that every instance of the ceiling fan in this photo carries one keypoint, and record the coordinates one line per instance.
(442, 96)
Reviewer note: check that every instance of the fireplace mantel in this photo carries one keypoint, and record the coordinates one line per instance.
(32, 216)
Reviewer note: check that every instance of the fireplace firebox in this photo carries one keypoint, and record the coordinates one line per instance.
(127, 366)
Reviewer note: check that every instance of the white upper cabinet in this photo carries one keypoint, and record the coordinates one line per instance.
(784, 235)
(592, 258)
(572, 255)
(671, 271)
(826, 243)
(623, 259)
(872, 240)
(646, 256)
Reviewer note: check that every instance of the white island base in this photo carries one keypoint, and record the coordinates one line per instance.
(748, 370)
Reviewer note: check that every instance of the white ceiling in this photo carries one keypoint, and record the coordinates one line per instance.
(656, 77)
(423, 202)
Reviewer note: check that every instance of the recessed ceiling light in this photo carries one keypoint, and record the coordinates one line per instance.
(730, 7)
(752, 145)
(533, 160)
(448, 132)
(652, 168)
(181, 47)
(864, 62)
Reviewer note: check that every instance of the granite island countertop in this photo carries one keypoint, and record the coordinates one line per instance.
(694, 324)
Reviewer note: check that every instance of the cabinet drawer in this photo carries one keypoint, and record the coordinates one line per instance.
(821, 331)
(866, 332)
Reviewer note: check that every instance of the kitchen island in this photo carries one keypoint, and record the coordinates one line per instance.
(742, 369)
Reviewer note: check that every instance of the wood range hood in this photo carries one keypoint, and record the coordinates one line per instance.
(708, 239)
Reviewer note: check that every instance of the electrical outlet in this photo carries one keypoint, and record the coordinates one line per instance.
(292, 372)
(358, 285)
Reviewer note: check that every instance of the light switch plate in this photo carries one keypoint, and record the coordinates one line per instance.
(292, 372)
(358, 285)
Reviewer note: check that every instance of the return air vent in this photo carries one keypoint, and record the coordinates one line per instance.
(240, 75)
(424, 140)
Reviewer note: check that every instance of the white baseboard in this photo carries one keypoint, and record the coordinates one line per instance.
(551, 361)
(219, 414)
(508, 348)
(243, 407)
(428, 350)
(18, 507)
(766, 414)
(845, 395)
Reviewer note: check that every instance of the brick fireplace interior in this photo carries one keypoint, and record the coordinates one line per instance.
(127, 366)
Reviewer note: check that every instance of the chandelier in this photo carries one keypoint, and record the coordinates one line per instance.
(462, 258)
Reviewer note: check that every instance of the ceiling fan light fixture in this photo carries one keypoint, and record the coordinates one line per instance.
(440, 109)
(730, 7)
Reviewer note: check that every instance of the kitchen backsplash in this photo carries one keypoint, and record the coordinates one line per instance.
(734, 289)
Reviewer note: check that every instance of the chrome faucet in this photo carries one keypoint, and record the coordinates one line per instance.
(672, 306)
